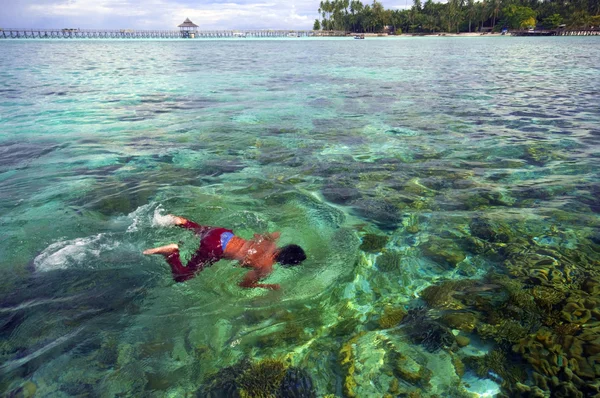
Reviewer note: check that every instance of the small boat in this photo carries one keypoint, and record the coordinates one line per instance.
(359, 37)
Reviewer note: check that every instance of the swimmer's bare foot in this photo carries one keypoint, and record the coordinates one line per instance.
(166, 250)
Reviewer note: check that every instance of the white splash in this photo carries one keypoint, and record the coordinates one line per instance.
(160, 220)
(76, 252)
(150, 214)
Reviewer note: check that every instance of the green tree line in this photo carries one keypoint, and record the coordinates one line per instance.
(457, 15)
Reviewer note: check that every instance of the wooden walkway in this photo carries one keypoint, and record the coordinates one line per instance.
(557, 32)
(156, 34)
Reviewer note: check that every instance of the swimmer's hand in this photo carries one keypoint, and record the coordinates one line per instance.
(176, 220)
(251, 280)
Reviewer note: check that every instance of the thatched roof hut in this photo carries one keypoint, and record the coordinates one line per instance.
(187, 24)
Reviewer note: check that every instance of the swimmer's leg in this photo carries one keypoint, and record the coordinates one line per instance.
(171, 253)
(166, 250)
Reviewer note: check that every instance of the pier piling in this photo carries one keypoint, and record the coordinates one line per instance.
(15, 33)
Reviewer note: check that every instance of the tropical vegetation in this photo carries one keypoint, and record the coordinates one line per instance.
(457, 15)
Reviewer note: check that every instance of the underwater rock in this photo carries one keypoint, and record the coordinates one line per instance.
(373, 243)
(410, 370)
(340, 194)
(462, 341)
(444, 251)
(27, 390)
(388, 261)
(383, 213)
(490, 231)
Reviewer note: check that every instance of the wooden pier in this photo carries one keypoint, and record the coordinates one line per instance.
(557, 32)
(12, 33)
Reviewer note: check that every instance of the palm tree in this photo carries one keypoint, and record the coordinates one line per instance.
(471, 11)
(495, 10)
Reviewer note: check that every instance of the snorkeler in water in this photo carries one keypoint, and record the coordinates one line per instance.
(259, 253)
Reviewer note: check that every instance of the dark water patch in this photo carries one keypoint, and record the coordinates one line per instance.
(341, 190)
(57, 93)
(103, 171)
(20, 154)
(320, 103)
(533, 129)
(378, 211)
(113, 198)
(132, 118)
(537, 115)
(81, 303)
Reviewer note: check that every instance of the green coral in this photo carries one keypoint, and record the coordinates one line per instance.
(373, 243)
(495, 365)
(444, 295)
(443, 251)
(391, 317)
(389, 260)
(464, 321)
(262, 380)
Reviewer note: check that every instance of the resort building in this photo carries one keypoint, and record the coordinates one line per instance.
(188, 29)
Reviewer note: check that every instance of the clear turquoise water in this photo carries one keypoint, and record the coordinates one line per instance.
(323, 140)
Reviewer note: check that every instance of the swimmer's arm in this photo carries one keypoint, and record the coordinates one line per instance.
(187, 224)
(252, 277)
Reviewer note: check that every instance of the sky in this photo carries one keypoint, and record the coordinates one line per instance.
(164, 14)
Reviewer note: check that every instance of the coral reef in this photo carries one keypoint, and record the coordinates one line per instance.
(268, 378)
(443, 251)
(496, 366)
(445, 294)
(423, 330)
(261, 380)
(389, 260)
(391, 317)
(463, 321)
(373, 243)
(297, 383)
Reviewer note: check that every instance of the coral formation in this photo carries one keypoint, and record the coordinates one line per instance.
(463, 321)
(268, 378)
(495, 365)
(422, 329)
(262, 379)
(389, 260)
(373, 243)
(444, 295)
(391, 317)
(443, 251)
(346, 361)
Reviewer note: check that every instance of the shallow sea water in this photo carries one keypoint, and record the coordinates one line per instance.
(455, 149)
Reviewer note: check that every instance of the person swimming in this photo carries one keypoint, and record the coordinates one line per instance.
(258, 253)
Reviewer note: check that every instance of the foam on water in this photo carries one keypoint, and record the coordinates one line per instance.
(80, 252)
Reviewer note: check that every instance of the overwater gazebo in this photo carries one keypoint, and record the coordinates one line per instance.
(188, 29)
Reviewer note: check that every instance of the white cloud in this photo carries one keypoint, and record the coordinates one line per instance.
(163, 14)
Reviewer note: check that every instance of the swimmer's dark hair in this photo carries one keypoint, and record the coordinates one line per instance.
(290, 255)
